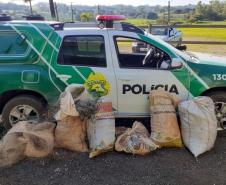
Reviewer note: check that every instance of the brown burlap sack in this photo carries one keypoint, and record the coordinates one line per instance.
(135, 141)
(40, 139)
(70, 134)
(164, 125)
(12, 149)
(120, 130)
(26, 140)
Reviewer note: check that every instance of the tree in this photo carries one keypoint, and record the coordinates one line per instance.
(161, 20)
(30, 5)
(214, 11)
(86, 17)
(199, 10)
(152, 15)
(224, 10)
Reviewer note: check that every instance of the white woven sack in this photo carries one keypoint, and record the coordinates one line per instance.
(198, 124)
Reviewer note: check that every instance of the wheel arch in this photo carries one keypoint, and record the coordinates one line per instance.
(6, 96)
(212, 90)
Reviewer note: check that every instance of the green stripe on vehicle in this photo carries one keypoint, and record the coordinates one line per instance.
(85, 71)
(47, 47)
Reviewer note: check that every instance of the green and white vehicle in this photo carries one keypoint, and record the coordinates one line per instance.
(39, 59)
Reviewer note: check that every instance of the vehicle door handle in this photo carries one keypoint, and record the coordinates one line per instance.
(125, 79)
(64, 77)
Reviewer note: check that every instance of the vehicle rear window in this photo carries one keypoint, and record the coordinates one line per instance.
(83, 51)
(12, 44)
(159, 31)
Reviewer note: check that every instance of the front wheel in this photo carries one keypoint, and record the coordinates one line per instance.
(219, 99)
(23, 108)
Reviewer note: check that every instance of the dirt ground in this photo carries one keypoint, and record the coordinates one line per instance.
(164, 166)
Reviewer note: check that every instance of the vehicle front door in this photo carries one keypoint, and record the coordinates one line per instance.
(85, 58)
(135, 80)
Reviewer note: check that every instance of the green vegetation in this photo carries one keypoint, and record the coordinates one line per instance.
(204, 34)
(210, 49)
(214, 11)
(140, 22)
(210, 23)
(86, 17)
(146, 22)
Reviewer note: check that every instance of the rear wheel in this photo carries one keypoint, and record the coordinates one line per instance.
(219, 99)
(23, 108)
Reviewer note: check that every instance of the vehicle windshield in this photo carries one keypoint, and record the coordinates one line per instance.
(182, 54)
(159, 31)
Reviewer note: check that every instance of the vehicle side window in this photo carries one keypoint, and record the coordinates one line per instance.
(12, 44)
(134, 53)
(83, 51)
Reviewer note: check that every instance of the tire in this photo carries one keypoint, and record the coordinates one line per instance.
(17, 105)
(219, 97)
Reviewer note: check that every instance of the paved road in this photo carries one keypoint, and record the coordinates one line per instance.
(165, 166)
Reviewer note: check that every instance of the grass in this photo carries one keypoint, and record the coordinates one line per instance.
(211, 22)
(211, 49)
(146, 22)
(140, 22)
(210, 34)
(204, 34)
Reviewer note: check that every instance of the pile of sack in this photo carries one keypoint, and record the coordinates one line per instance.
(26, 140)
(80, 117)
(165, 130)
(197, 130)
(87, 124)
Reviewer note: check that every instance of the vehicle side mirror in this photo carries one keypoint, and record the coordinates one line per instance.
(176, 64)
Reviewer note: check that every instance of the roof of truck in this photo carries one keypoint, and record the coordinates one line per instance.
(61, 26)
(30, 21)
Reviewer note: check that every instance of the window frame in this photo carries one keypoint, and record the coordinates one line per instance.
(16, 56)
(81, 65)
(129, 37)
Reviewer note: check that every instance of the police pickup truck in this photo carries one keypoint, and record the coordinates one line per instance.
(39, 59)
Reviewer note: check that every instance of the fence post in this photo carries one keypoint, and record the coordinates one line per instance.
(149, 28)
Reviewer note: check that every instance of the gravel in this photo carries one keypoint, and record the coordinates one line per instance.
(164, 166)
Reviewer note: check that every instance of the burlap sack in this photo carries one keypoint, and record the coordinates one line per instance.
(12, 149)
(26, 140)
(67, 101)
(70, 134)
(39, 137)
(165, 131)
(135, 141)
(120, 130)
